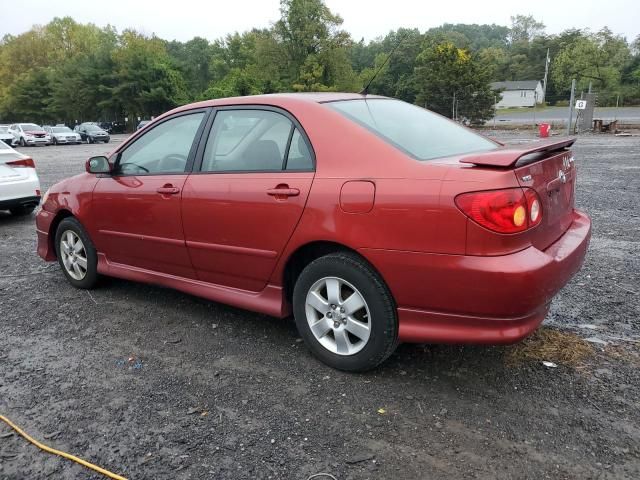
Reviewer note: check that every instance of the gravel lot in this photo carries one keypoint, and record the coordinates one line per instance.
(155, 384)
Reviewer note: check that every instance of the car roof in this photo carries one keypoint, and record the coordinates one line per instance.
(313, 97)
(282, 100)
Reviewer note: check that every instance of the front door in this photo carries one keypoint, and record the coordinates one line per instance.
(136, 210)
(242, 206)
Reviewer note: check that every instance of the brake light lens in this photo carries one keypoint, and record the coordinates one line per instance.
(24, 162)
(511, 210)
(533, 204)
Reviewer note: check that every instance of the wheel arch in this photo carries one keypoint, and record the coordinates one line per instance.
(307, 253)
(53, 228)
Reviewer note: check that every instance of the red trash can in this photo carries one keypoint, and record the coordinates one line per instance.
(544, 129)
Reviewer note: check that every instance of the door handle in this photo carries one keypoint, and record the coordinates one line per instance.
(283, 191)
(168, 190)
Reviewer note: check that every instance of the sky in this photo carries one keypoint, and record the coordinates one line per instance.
(185, 19)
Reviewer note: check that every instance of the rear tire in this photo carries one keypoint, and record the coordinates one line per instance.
(359, 329)
(22, 210)
(76, 253)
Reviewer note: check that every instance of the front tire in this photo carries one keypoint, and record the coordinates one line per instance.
(22, 142)
(345, 312)
(76, 253)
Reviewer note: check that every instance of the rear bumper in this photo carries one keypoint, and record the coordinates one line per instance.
(20, 202)
(484, 300)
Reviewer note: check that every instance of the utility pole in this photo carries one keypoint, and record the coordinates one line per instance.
(546, 74)
(453, 107)
(495, 110)
(571, 102)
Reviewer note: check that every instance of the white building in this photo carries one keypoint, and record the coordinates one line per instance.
(520, 93)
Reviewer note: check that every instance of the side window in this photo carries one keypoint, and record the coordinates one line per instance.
(247, 140)
(163, 149)
(299, 155)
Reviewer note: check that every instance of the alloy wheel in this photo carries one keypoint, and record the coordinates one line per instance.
(338, 316)
(74, 255)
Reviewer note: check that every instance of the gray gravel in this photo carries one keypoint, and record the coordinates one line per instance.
(155, 384)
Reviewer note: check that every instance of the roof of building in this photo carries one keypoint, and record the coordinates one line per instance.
(516, 85)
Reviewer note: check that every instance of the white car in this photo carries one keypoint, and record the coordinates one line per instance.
(62, 134)
(29, 134)
(6, 136)
(19, 183)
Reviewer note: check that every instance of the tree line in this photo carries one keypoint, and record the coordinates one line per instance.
(68, 71)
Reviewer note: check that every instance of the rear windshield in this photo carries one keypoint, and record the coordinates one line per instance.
(422, 134)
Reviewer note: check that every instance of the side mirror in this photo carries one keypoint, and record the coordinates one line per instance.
(98, 164)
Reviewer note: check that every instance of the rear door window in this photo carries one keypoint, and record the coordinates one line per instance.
(247, 140)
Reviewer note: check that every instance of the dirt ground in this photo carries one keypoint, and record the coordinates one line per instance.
(155, 384)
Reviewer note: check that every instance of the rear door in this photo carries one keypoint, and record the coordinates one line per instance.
(242, 206)
(136, 210)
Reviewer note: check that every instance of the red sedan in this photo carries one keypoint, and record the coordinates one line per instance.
(373, 221)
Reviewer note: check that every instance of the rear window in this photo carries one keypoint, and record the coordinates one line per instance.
(416, 131)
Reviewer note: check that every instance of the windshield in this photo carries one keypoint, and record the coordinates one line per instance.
(61, 130)
(92, 128)
(30, 126)
(419, 132)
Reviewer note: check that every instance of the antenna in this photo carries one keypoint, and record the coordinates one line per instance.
(365, 90)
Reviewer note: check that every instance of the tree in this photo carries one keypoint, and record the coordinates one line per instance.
(599, 58)
(145, 81)
(446, 75)
(525, 28)
(29, 97)
(310, 34)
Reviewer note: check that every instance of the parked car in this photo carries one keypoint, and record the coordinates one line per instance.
(142, 124)
(106, 126)
(91, 133)
(63, 135)
(6, 136)
(19, 183)
(373, 221)
(118, 127)
(29, 134)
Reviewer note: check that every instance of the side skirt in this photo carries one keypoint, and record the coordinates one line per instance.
(269, 301)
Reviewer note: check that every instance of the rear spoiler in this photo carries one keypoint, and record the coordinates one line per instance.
(508, 156)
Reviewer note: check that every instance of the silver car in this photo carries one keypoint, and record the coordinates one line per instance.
(6, 136)
(29, 134)
(62, 135)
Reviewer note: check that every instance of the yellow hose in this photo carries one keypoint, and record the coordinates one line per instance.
(68, 456)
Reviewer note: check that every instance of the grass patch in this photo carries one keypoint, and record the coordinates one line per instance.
(563, 348)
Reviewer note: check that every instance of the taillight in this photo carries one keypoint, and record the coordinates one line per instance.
(511, 210)
(534, 207)
(25, 162)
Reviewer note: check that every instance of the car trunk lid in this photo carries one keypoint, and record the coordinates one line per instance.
(547, 167)
(8, 174)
